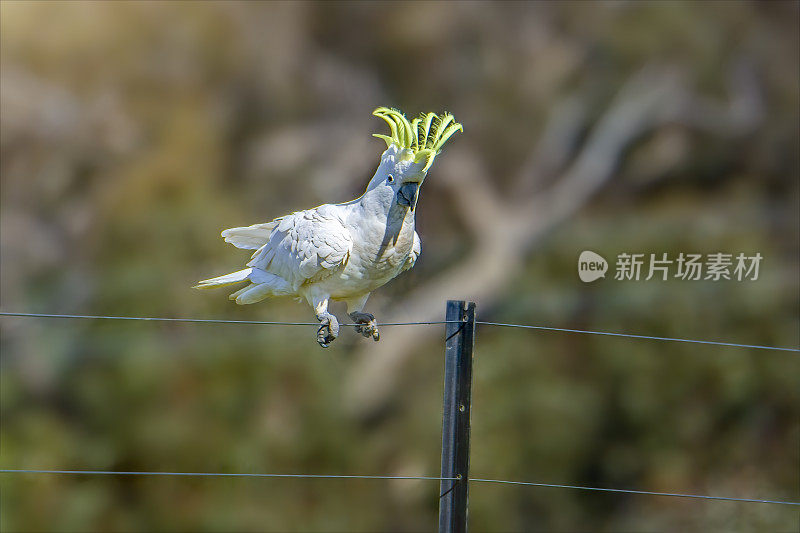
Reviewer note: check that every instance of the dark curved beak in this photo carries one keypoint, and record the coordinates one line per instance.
(407, 194)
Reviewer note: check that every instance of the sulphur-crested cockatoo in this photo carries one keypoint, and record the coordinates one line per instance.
(343, 252)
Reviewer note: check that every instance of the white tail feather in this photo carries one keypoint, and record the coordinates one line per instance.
(249, 237)
(227, 279)
(234, 295)
(262, 285)
(254, 293)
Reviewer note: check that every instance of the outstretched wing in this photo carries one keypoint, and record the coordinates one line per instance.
(306, 246)
(416, 249)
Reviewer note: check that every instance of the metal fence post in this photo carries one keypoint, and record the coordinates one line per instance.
(459, 344)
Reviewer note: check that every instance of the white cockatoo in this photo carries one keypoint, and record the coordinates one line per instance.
(343, 252)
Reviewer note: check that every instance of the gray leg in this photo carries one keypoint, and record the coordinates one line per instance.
(328, 330)
(329, 326)
(366, 325)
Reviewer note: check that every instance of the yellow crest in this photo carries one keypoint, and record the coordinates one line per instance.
(424, 136)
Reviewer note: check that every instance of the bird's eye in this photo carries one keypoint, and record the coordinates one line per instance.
(390, 178)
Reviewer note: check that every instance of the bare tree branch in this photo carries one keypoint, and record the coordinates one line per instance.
(556, 144)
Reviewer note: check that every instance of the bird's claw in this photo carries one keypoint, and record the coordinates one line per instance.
(324, 337)
(366, 325)
(328, 330)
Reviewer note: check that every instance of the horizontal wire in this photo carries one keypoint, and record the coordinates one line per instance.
(354, 476)
(218, 474)
(627, 491)
(435, 322)
(630, 335)
(210, 320)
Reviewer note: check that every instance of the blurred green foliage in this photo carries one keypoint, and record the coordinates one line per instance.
(132, 133)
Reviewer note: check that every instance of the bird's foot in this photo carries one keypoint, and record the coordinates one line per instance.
(328, 329)
(366, 325)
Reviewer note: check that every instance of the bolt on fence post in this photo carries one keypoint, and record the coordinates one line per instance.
(459, 345)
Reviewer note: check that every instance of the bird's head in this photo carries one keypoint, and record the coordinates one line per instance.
(411, 148)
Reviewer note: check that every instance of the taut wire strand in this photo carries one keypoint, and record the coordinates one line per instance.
(632, 336)
(204, 320)
(217, 474)
(628, 491)
(434, 322)
(355, 476)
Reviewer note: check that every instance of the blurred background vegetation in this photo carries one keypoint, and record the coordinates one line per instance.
(132, 133)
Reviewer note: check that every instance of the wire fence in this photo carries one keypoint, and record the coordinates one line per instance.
(221, 474)
(632, 336)
(388, 477)
(206, 320)
(434, 322)
(423, 478)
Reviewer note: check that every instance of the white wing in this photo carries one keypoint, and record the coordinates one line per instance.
(416, 249)
(305, 246)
